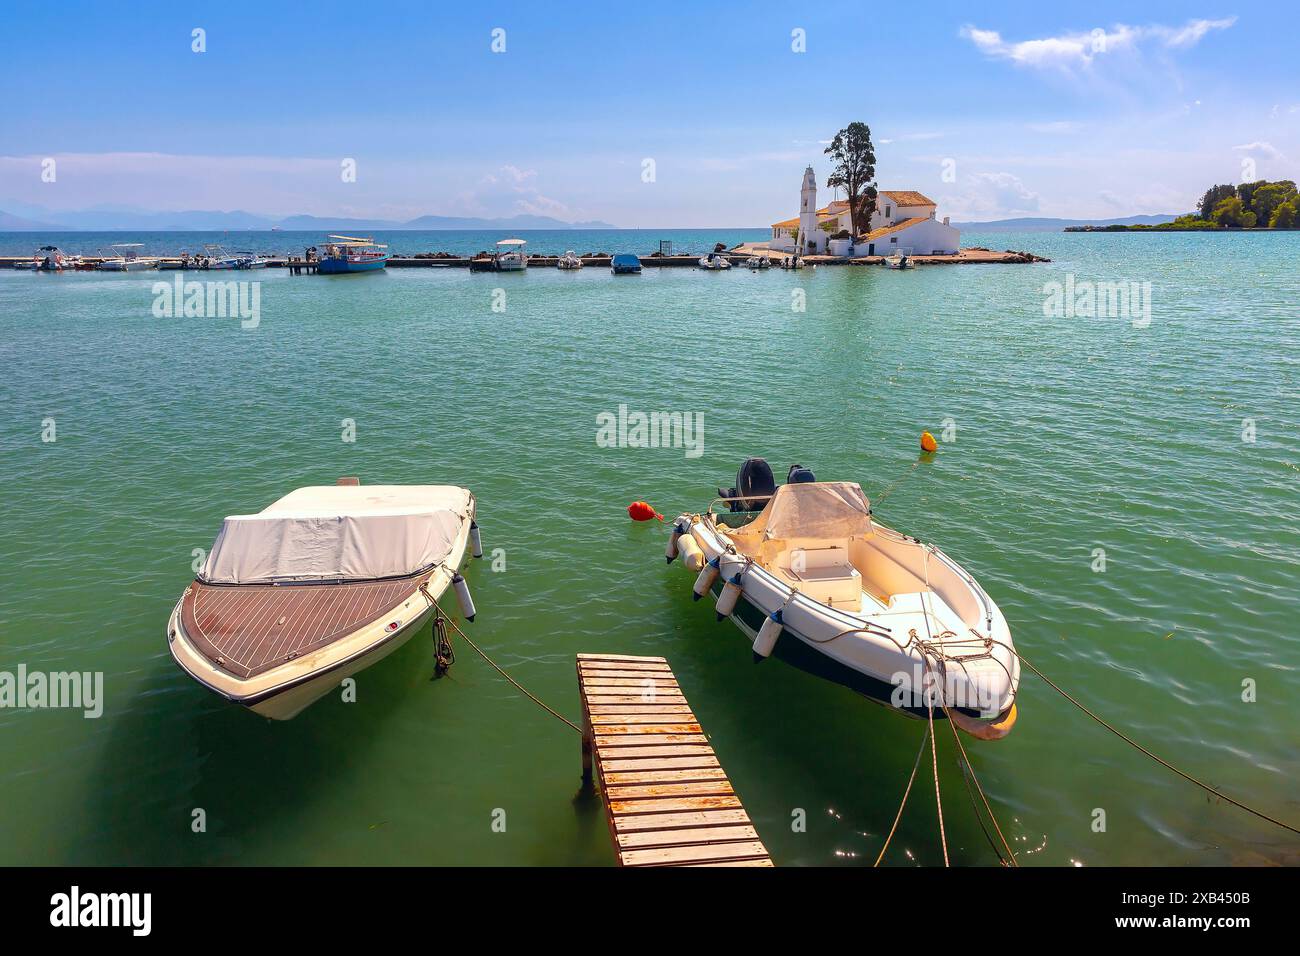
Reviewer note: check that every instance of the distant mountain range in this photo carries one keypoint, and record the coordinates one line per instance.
(25, 218)
(1039, 224)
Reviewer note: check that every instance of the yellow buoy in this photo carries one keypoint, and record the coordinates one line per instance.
(928, 443)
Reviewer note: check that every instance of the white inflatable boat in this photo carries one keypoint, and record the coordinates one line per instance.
(814, 577)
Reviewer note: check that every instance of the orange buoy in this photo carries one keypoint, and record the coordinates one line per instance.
(928, 443)
(640, 511)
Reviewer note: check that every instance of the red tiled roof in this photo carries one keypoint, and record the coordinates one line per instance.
(907, 197)
(896, 227)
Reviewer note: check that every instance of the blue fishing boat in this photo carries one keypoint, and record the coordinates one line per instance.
(350, 254)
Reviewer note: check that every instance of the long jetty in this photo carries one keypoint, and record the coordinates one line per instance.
(737, 259)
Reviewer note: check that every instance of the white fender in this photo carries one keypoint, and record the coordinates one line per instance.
(765, 642)
(463, 599)
(704, 583)
(691, 554)
(729, 596)
(671, 551)
(475, 541)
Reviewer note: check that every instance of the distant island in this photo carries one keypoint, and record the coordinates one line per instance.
(33, 219)
(1258, 205)
(1046, 224)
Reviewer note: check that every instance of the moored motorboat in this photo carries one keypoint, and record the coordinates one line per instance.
(125, 257)
(758, 263)
(899, 260)
(347, 254)
(625, 264)
(52, 259)
(570, 260)
(510, 256)
(804, 569)
(317, 586)
(715, 262)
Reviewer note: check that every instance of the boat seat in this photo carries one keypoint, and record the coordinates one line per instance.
(825, 575)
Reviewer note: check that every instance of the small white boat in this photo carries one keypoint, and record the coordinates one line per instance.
(126, 258)
(758, 263)
(791, 262)
(813, 576)
(899, 260)
(715, 262)
(215, 257)
(569, 260)
(318, 586)
(510, 256)
(52, 259)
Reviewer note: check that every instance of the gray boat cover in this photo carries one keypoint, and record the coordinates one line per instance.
(340, 533)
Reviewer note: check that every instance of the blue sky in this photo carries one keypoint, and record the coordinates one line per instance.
(1088, 110)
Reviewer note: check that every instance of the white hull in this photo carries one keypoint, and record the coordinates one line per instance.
(285, 691)
(896, 641)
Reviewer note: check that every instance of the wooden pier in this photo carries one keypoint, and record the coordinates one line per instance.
(667, 799)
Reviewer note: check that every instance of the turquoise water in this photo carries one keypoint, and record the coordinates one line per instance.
(1071, 434)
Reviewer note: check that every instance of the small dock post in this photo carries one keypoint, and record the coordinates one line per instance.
(667, 800)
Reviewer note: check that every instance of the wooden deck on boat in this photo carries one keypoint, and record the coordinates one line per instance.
(249, 628)
(667, 799)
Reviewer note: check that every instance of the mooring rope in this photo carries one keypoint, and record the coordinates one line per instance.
(424, 589)
(910, 780)
(1156, 757)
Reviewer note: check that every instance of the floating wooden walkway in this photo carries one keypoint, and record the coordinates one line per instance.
(667, 799)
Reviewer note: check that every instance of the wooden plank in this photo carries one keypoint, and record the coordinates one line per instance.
(635, 699)
(668, 801)
(623, 778)
(600, 710)
(655, 791)
(655, 718)
(591, 677)
(606, 730)
(705, 759)
(672, 805)
(681, 821)
(708, 853)
(654, 838)
(694, 750)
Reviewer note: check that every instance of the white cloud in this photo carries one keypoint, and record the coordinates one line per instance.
(990, 195)
(1057, 126)
(1260, 148)
(1078, 50)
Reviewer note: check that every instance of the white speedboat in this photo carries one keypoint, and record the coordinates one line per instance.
(758, 263)
(125, 257)
(52, 259)
(510, 256)
(569, 260)
(318, 586)
(715, 262)
(899, 260)
(813, 576)
(791, 262)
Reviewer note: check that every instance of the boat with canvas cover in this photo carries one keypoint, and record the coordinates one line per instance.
(805, 570)
(318, 586)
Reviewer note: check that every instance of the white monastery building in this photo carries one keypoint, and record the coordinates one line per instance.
(903, 221)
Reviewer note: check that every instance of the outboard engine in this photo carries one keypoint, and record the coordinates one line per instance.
(754, 478)
(799, 474)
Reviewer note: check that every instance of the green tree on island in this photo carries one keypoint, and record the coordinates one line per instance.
(855, 171)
